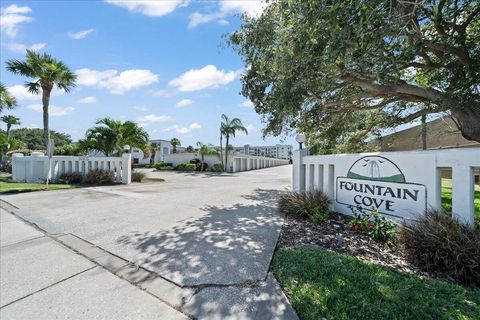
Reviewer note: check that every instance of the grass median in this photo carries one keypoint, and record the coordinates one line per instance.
(8, 186)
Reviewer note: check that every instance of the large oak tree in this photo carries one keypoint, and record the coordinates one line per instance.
(319, 66)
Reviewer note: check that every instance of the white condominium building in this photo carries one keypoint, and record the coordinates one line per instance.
(279, 151)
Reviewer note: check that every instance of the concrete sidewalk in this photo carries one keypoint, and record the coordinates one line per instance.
(42, 279)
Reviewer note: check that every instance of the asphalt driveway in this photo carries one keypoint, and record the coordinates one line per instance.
(210, 233)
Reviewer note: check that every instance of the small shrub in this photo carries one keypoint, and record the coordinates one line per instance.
(374, 225)
(186, 167)
(217, 167)
(137, 176)
(166, 168)
(70, 178)
(159, 165)
(314, 205)
(99, 177)
(438, 243)
(195, 161)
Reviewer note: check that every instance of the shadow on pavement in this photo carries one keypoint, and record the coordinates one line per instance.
(229, 245)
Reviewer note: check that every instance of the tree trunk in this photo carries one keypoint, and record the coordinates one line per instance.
(201, 168)
(468, 121)
(46, 90)
(424, 132)
(221, 149)
(226, 152)
(9, 126)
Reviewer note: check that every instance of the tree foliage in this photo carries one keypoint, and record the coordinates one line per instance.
(45, 72)
(112, 137)
(316, 66)
(7, 101)
(228, 129)
(33, 138)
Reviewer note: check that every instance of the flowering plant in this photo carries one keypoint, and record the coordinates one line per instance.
(373, 224)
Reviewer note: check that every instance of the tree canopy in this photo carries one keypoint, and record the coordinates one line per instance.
(34, 139)
(44, 72)
(317, 66)
(112, 137)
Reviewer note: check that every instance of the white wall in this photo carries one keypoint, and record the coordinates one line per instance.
(418, 172)
(176, 158)
(34, 168)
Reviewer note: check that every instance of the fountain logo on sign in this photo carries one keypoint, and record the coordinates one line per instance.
(377, 182)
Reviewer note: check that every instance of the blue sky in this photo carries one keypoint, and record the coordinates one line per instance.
(164, 64)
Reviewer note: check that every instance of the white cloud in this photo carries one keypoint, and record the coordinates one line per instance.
(116, 83)
(20, 47)
(183, 130)
(140, 108)
(246, 104)
(12, 17)
(183, 103)
(21, 93)
(161, 93)
(225, 8)
(14, 9)
(152, 118)
(87, 100)
(250, 129)
(53, 110)
(149, 7)
(80, 34)
(198, 79)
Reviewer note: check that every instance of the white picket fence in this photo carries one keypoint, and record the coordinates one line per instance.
(34, 168)
(410, 184)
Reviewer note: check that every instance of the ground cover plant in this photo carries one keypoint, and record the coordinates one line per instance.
(186, 167)
(438, 243)
(327, 285)
(373, 224)
(137, 176)
(99, 177)
(314, 205)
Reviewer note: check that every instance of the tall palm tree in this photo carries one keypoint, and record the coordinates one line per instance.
(228, 129)
(7, 101)
(111, 137)
(46, 72)
(10, 121)
(206, 150)
(175, 142)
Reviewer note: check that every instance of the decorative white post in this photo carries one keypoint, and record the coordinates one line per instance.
(299, 170)
(126, 168)
(463, 194)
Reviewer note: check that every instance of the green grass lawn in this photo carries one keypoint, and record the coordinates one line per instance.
(447, 198)
(8, 186)
(327, 285)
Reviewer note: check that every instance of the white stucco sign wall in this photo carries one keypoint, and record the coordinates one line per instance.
(400, 184)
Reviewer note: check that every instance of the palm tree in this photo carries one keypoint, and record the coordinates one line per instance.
(111, 137)
(175, 142)
(229, 128)
(206, 150)
(7, 101)
(154, 147)
(46, 72)
(10, 121)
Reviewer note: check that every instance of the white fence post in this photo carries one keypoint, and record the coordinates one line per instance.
(298, 177)
(126, 168)
(463, 194)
